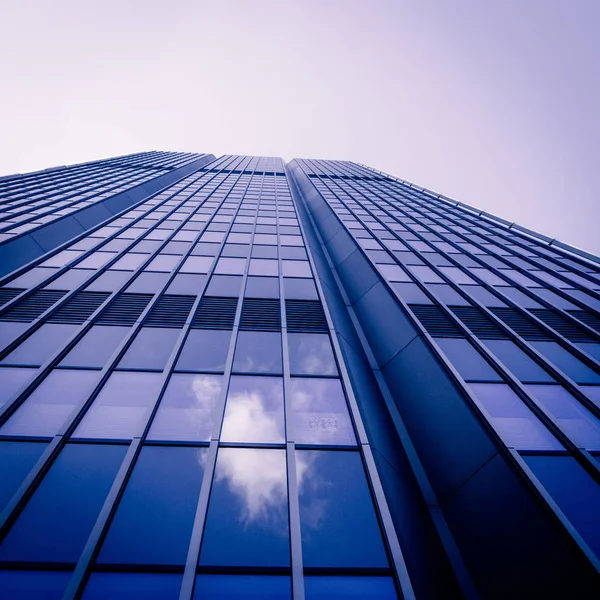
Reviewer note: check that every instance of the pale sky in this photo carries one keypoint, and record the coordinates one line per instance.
(492, 102)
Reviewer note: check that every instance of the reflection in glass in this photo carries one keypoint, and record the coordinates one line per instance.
(348, 587)
(242, 587)
(247, 520)
(254, 410)
(122, 407)
(258, 352)
(150, 349)
(26, 585)
(204, 350)
(133, 586)
(320, 413)
(187, 409)
(96, 347)
(51, 403)
(337, 518)
(311, 354)
(12, 380)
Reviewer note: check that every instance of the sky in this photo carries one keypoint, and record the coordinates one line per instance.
(492, 102)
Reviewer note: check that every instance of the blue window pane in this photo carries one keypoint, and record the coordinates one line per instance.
(254, 410)
(258, 352)
(296, 268)
(592, 350)
(70, 280)
(109, 281)
(33, 585)
(448, 295)
(411, 293)
(228, 286)
(466, 360)
(96, 347)
(247, 520)
(520, 298)
(572, 367)
(319, 412)
(12, 380)
(9, 332)
(337, 517)
(132, 586)
(204, 350)
(516, 424)
(592, 392)
(575, 492)
(16, 460)
(148, 283)
(572, 417)
(311, 354)
(41, 345)
(299, 289)
(188, 284)
(242, 587)
(484, 296)
(122, 408)
(57, 521)
(150, 349)
(52, 403)
(153, 523)
(187, 409)
(349, 587)
(516, 361)
(262, 287)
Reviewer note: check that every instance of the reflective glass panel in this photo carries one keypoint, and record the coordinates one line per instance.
(523, 367)
(299, 289)
(96, 347)
(570, 365)
(204, 350)
(466, 360)
(242, 587)
(254, 410)
(258, 352)
(150, 349)
(132, 586)
(12, 380)
(348, 587)
(187, 408)
(33, 585)
(247, 520)
(311, 354)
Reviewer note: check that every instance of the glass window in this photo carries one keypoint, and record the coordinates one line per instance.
(261, 266)
(425, 274)
(130, 262)
(29, 585)
(204, 350)
(70, 280)
(572, 367)
(575, 492)
(247, 519)
(148, 283)
(319, 412)
(337, 517)
(122, 407)
(16, 460)
(258, 352)
(516, 424)
(296, 268)
(264, 252)
(163, 262)
(236, 250)
(109, 281)
(457, 275)
(348, 587)
(482, 295)
(299, 289)
(52, 403)
(393, 272)
(242, 587)
(411, 293)
(293, 253)
(311, 354)
(523, 367)
(41, 345)
(254, 410)
(150, 349)
(230, 266)
(153, 523)
(467, 361)
(196, 264)
(12, 380)
(9, 332)
(187, 408)
(448, 295)
(228, 286)
(59, 517)
(572, 417)
(96, 347)
(32, 277)
(133, 586)
(187, 284)
(262, 287)
(520, 298)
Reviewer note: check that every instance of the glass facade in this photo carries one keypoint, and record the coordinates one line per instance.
(210, 392)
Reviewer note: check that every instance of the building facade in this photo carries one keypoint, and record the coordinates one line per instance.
(234, 378)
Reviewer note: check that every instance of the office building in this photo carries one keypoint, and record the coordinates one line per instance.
(234, 378)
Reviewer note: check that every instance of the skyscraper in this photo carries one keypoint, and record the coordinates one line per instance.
(240, 378)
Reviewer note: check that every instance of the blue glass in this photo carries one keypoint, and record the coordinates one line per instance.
(33, 585)
(40, 345)
(16, 460)
(204, 350)
(148, 283)
(592, 392)
(122, 407)
(109, 281)
(242, 587)
(311, 354)
(96, 347)
(570, 365)
(258, 352)
(12, 380)
(9, 332)
(150, 349)
(448, 295)
(153, 523)
(467, 360)
(299, 289)
(575, 492)
(187, 409)
(228, 286)
(348, 587)
(187, 284)
(516, 424)
(484, 296)
(591, 349)
(70, 280)
(337, 517)
(52, 403)
(516, 361)
(132, 586)
(411, 293)
(254, 410)
(247, 520)
(262, 287)
(59, 517)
